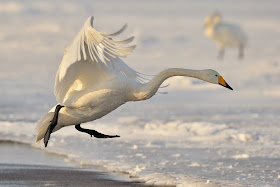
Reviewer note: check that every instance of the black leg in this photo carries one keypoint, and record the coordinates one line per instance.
(94, 133)
(221, 54)
(52, 125)
(241, 52)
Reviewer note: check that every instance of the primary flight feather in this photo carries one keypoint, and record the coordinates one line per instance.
(92, 81)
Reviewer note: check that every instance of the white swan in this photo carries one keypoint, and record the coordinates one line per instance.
(92, 81)
(225, 34)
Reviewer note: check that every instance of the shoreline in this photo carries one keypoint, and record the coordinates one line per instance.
(35, 175)
(22, 165)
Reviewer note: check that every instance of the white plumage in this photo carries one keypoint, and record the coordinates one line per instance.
(225, 34)
(92, 80)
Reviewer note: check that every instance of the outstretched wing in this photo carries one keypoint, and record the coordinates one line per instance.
(91, 59)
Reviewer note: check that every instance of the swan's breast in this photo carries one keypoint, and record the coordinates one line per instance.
(209, 31)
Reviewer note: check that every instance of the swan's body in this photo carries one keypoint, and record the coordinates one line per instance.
(225, 34)
(92, 80)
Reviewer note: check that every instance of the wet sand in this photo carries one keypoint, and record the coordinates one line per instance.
(28, 175)
(22, 165)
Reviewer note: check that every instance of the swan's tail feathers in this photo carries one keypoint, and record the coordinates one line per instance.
(43, 125)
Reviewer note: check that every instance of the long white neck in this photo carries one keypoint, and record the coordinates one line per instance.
(149, 89)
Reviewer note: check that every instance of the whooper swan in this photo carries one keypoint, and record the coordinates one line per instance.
(92, 81)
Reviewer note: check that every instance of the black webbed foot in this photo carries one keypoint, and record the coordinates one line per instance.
(221, 54)
(52, 125)
(94, 133)
(241, 52)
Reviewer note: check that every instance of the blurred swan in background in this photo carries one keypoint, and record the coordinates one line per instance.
(225, 34)
(92, 81)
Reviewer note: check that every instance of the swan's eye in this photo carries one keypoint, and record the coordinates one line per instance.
(216, 75)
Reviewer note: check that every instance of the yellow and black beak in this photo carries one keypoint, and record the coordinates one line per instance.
(223, 82)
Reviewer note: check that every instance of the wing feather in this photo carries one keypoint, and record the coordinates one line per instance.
(124, 41)
(92, 58)
(92, 38)
(116, 33)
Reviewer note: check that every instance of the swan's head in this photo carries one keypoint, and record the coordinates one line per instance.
(212, 19)
(214, 77)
